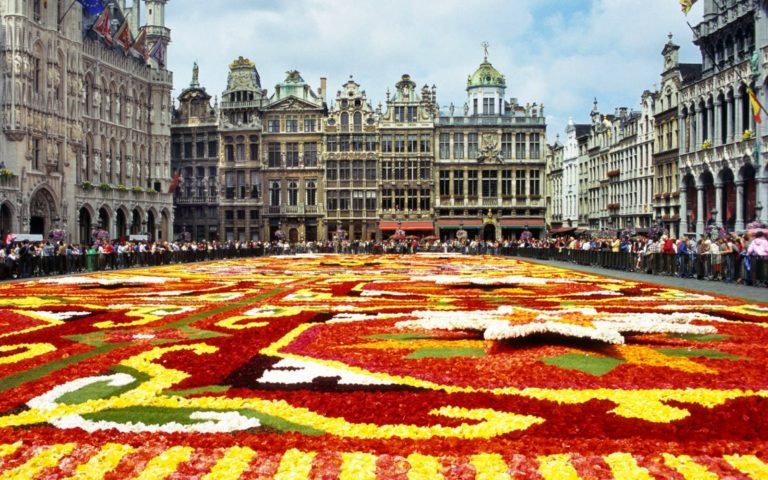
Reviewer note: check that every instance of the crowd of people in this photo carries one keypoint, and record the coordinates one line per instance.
(730, 258)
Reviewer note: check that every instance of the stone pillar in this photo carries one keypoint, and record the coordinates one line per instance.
(717, 132)
(681, 135)
(762, 197)
(737, 107)
(719, 203)
(739, 206)
(729, 121)
(683, 212)
(699, 210)
(711, 134)
(699, 128)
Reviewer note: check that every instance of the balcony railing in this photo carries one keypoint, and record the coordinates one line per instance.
(9, 182)
(295, 210)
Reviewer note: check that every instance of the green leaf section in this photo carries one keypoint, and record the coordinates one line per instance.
(593, 365)
(162, 416)
(102, 389)
(694, 353)
(447, 353)
(701, 338)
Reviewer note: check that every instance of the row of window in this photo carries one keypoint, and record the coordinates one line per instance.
(406, 169)
(469, 144)
(196, 149)
(291, 125)
(351, 200)
(458, 183)
(406, 198)
(350, 170)
(310, 192)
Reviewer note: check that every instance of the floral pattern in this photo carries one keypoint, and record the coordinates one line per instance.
(385, 367)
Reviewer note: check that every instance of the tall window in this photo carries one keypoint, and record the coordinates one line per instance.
(293, 193)
(506, 183)
(254, 148)
(387, 169)
(520, 183)
(412, 113)
(331, 143)
(36, 154)
(445, 146)
(506, 145)
(357, 169)
(309, 124)
(370, 200)
(255, 184)
(413, 169)
(344, 168)
(489, 106)
(200, 149)
(344, 122)
(490, 184)
(240, 149)
(291, 124)
(520, 146)
(472, 146)
(445, 183)
(311, 192)
(386, 143)
(357, 122)
(400, 199)
(332, 199)
(472, 183)
(370, 169)
(386, 199)
(358, 199)
(399, 114)
(310, 154)
(399, 143)
(425, 170)
(344, 200)
(240, 184)
(332, 170)
(413, 144)
(399, 169)
(426, 143)
(357, 143)
(535, 183)
(344, 143)
(273, 125)
(458, 145)
(273, 154)
(535, 146)
(458, 183)
(413, 199)
(230, 184)
(229, 149)
(371, 144)
(292, 154)
(425, 200)
(274, 193)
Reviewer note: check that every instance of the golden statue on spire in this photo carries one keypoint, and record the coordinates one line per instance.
(485, 46)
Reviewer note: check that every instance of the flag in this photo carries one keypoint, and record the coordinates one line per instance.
(756, 106)
(140, 45)
(123, 37)
(103, 28)
(687, 5)
(158, 53)
(92, 7)
(175, 182)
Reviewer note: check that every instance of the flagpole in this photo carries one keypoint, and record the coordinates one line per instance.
(70, 8)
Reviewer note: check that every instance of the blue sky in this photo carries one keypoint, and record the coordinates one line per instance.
(561, 53)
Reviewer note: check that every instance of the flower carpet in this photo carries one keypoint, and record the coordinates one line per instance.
(378, 367)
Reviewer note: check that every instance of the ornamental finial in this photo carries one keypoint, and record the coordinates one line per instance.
(485, 46)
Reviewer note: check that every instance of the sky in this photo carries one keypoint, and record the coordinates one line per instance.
(559, 53)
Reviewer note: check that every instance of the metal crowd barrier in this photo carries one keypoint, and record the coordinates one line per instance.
(735, 267)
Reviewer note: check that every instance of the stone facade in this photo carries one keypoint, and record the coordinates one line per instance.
(86, 128)
(491, 159)
(723, 180)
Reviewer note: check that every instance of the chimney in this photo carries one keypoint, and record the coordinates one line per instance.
(321, 90)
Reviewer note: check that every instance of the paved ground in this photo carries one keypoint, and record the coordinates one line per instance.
(753, 294)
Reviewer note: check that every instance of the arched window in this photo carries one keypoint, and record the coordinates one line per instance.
(293, 193)
(358, 121)
(274, 193)
(344, 122)
(311, 192)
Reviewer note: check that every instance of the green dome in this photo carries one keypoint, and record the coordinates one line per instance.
(486, 76)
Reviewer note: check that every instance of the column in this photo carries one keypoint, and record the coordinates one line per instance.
(719, 203)
(699, 210)
(681, 135)
(711, 124)
(683, 212)
(729, 120)
(699, 127)
(737, 107)
(717, 133)
(762, 197)
(739, 206)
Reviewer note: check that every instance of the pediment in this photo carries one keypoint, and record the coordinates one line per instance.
(293, 103)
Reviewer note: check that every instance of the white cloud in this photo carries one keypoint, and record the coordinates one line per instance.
(562, 54)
